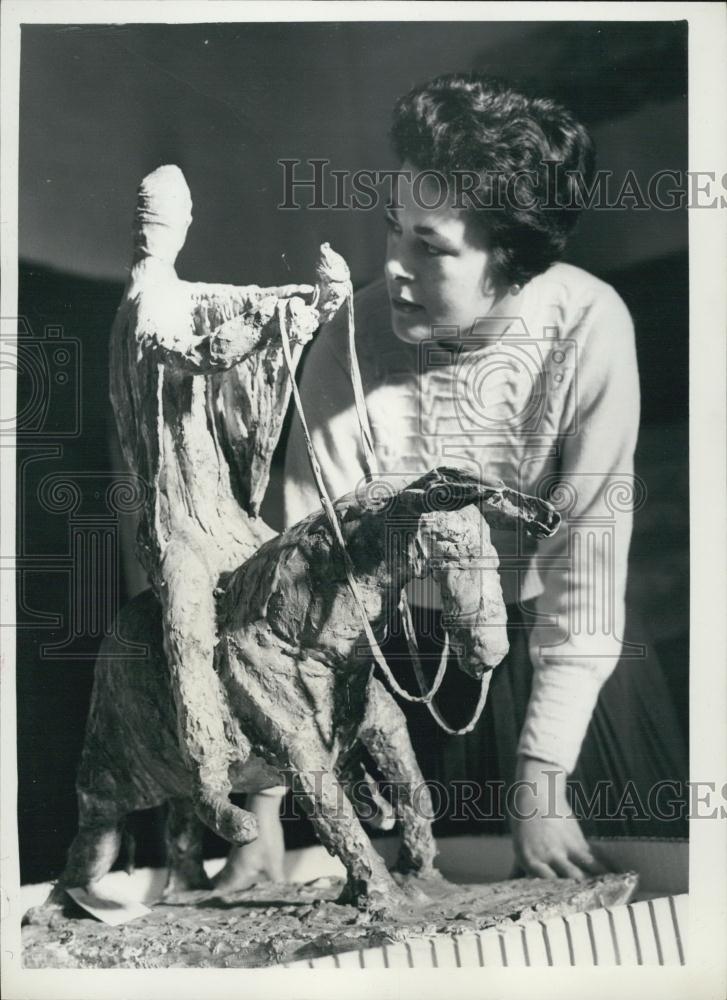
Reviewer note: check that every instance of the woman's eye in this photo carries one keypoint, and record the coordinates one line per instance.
(433, 251)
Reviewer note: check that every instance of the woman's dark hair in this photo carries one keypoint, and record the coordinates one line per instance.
(530, 155)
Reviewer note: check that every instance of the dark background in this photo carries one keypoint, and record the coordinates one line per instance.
(102, 106)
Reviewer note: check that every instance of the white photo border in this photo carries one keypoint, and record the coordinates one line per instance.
(705, 974)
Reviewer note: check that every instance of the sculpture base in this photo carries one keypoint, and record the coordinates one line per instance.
(275, 923)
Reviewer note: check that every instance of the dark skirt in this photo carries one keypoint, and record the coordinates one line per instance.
(631, 775)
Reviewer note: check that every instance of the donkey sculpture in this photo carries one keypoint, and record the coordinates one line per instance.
(297, 672)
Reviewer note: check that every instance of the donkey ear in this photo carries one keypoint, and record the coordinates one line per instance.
(452, 489)
(503, 507)
(437, 492)
(506, 508)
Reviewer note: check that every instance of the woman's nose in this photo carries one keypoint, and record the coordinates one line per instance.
(397, 268)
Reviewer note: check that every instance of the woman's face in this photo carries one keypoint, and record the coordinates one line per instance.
(437, 269)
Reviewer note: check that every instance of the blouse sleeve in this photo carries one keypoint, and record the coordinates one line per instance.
(577, 640)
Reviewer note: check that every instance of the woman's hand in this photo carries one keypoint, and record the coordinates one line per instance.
(546, 836)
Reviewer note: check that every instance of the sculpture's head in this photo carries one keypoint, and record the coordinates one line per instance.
(433, 528)
(163, 214)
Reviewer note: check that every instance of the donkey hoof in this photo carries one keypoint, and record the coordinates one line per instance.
(376, 904)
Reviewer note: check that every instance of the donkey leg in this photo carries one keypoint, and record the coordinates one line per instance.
(183, 836)
(384, 734)
(287, 706)
(370, 805)
(369, 885)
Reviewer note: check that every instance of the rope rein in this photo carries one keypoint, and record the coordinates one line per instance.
(371, 470)
(329, 510)
(433, 710)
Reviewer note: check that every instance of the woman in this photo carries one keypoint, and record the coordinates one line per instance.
(479, 349)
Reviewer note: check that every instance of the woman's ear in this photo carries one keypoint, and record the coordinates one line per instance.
(502, 293)
(491, 286)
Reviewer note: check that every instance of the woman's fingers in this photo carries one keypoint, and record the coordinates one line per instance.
(540, 869)
(566, 869)
(564, 860)
(577, 863)
(584, 857)
(578, 850)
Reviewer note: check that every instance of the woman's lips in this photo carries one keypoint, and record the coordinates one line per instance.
(406, 307)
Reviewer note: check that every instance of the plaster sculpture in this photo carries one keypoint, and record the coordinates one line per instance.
(259, 646)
